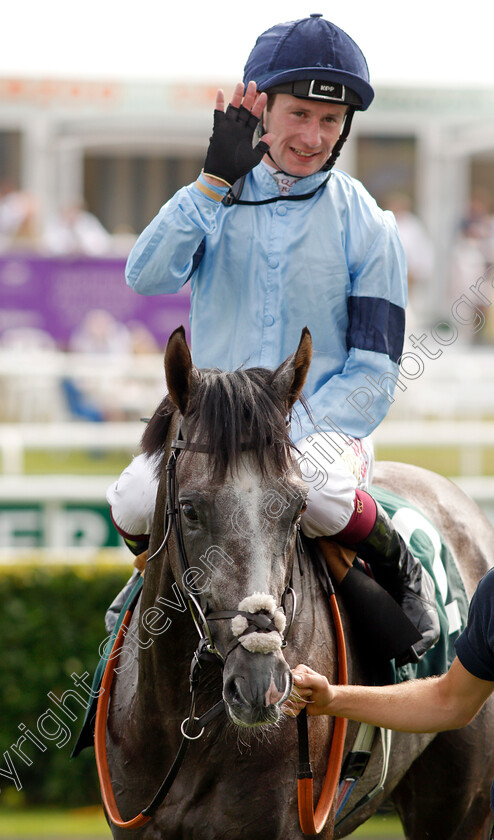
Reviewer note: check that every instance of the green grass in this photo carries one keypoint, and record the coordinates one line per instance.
(380, 827)
(90, 823)
(41, 462)
(84, 822)
(443, 461)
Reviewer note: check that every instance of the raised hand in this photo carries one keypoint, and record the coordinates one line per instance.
(230, 154)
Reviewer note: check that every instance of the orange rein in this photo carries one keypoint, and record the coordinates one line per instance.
(313, 822)
(100, 736)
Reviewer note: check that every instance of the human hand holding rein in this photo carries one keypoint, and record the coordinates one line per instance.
(311, 691)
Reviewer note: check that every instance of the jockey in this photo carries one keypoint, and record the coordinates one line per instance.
(273, 239)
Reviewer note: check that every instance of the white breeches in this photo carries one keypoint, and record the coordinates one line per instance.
(132, 497)
(332, 469)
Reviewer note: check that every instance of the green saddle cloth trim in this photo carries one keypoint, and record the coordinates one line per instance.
(428, 546)
(86, 735)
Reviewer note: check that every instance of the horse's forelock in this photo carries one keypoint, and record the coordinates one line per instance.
(230, 409)
(227, 410)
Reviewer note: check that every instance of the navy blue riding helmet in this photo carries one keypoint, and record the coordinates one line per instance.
(312, 58)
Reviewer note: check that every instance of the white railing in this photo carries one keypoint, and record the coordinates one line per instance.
(17, 439)
(469, 437)
(459, 383)
(53, 505)
(121, 386)
(54, 363)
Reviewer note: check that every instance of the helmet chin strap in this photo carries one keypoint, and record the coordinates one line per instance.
(278, 167)
(335, 153)
(340, 142)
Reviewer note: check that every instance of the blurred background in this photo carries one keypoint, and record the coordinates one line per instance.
(104, 113)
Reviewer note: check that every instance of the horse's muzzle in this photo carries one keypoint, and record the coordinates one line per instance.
(255, 686)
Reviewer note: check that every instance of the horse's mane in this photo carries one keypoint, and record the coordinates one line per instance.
(228, 410)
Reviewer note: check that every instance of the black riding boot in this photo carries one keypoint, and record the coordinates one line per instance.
(404, 577)
(137, 547)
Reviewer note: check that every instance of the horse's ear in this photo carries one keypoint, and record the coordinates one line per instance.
(181, 374)
(288, 380)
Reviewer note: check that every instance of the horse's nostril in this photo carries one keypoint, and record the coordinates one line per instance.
(233, 694)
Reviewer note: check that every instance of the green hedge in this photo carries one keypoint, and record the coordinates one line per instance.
(52, 626)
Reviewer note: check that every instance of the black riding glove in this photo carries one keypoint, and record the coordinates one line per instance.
(230, 154)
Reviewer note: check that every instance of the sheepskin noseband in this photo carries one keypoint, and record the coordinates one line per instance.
(259, 641)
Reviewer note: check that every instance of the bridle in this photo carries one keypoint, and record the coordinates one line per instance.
(207, 651)
(255, 621)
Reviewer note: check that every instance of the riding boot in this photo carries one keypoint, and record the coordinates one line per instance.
(138, 548)
(404, 577)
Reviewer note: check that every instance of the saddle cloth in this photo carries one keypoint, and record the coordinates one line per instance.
(428, 546)
(86, 735)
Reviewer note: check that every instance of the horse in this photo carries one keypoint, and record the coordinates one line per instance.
(224, 547)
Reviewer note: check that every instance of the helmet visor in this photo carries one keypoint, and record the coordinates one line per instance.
(319, 89)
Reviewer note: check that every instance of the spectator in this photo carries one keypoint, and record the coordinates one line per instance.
(419, 252)
(100, 332)
(17, 217)
(76, 231)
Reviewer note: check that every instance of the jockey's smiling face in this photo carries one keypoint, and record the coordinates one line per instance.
(305, 132)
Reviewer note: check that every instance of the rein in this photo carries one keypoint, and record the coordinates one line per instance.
(311, 823)
(186, 729)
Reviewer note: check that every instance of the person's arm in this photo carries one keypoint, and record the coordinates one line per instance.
(449, 701)
(162, 259)
(358, 398)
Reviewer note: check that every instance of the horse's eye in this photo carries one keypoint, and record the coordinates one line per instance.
(189, 511)
(299, 514)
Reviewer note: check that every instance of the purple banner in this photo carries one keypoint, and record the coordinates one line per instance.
(54, 294)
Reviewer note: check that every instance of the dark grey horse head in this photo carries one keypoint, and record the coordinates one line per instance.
(240, 498)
